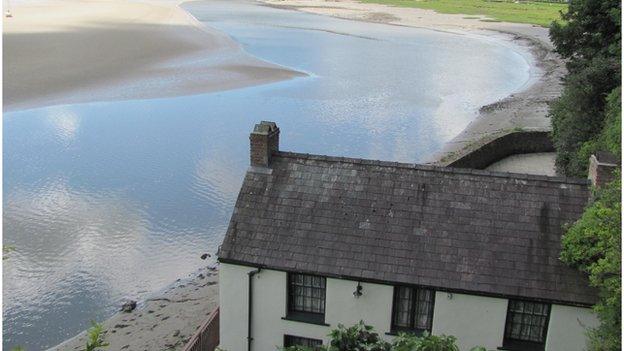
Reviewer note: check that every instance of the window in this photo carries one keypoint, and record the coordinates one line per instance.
(306, 298)
(291, 340)
(526, 326)
(412, 309)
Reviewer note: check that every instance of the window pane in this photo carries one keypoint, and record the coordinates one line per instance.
(291, 340)
(307, 293)
(413, 308)
(526, 321)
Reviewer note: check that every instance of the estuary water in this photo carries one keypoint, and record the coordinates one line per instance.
(112, 200)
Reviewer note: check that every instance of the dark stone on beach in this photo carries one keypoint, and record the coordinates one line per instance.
(200, 276)
(205, 256)
(121, 326)
(176, 333)
(129, 306)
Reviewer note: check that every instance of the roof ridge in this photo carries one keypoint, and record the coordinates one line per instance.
(441, 169)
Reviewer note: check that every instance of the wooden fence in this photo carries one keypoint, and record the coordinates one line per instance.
(206, 338)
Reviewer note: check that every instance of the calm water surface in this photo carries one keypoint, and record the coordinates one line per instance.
(106, 201)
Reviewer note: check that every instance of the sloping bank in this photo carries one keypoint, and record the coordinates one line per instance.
(165, 321)
(524, 111)
(63, 52)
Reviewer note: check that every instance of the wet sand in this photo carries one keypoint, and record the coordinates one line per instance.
(526, 110)
(166, 321)
(61, 52)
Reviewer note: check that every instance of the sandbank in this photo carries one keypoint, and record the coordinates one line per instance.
(61, 52)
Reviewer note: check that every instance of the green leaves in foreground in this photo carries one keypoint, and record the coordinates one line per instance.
(95, 337)
(593, 246)
(362, 337)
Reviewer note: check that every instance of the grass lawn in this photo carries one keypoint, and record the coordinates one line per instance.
(540, 13)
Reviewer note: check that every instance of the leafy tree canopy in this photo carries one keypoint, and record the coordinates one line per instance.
(593, 245)
(589, 38)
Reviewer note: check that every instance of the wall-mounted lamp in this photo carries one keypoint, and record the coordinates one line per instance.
(449, 296)
(358, 291)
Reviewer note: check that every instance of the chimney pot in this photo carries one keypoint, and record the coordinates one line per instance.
(601, 168)
(263, 141)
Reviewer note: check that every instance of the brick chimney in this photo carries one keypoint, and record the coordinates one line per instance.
(264, 141)
(601, 168)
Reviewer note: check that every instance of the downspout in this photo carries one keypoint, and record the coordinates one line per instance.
(250, 307)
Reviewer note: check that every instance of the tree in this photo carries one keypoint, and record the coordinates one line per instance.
(589, 39)
(593, 246)
(588, 118)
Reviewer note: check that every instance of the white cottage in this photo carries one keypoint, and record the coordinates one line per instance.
(315, 241)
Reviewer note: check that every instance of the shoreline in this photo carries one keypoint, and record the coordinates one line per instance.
(164, 321)
(524, 110)
(67, 52)
(181, 308)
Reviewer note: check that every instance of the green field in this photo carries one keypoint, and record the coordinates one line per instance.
(540, 13)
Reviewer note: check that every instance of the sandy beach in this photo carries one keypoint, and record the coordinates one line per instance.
(60, 52)
(166, 321)
(526, 110)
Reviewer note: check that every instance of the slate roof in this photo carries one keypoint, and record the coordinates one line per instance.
(462, 230)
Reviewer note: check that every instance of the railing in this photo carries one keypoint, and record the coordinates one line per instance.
(206, 338)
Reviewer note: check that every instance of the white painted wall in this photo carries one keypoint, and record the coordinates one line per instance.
(474, 320)
(233, 289)
(567, 328)
(373, 307)
(269, 307)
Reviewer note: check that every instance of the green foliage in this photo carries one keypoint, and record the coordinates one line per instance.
(610, 137)
(362, 337)
(593, 245)
(427, 342)
(18, 348)
(5, 250)
(533, 12)
(297, 348)
(589, 38)
(359, 337)
(588, 118)
(95, 337)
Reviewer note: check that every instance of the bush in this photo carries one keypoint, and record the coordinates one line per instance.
(593, 246)
(409, 342)
(362, 337)
(359, 337)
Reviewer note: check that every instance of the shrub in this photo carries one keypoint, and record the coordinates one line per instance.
(359, 337)
(593, 246)
(362, 337)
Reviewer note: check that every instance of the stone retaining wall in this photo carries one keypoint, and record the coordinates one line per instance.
(520, 142)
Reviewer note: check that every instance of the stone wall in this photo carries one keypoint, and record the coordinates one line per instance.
(520, 142)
